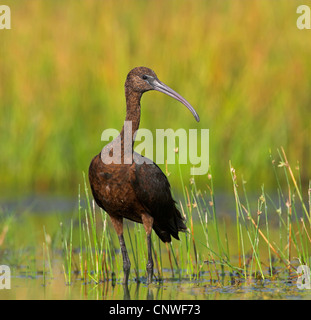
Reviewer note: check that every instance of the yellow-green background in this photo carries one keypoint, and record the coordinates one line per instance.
(244, 65)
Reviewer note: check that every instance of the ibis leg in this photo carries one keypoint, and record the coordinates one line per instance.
(150, 261)
(126, 260)
(118, 225)
(148, 222)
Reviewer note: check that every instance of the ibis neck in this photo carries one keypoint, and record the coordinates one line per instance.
(132, 118)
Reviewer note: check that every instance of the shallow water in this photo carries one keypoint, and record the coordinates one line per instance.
(22, 250)
(37, 287)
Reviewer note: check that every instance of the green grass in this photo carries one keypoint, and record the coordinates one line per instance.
(266, 239)
(243, 65)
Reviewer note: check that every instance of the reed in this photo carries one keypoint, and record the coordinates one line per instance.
(67, 254)
(46, 251)
(268, 238)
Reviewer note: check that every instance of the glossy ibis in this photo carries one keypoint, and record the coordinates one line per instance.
(136, 190)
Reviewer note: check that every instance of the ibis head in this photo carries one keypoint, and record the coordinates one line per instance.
(142, 79)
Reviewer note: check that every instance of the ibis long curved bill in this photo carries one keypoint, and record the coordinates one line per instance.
(162, 87)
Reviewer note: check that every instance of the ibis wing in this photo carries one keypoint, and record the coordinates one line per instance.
(152, 189)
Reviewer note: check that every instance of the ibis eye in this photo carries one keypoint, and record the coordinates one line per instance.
(145, 77)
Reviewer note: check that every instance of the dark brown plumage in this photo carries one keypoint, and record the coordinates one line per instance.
(136, 189)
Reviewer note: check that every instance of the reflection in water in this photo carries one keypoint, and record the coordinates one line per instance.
(173, 289)
(132, 291)
(126, 295)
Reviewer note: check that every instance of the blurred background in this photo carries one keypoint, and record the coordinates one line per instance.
(243, 65)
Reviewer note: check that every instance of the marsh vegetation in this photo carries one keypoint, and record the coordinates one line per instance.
(245, 67)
